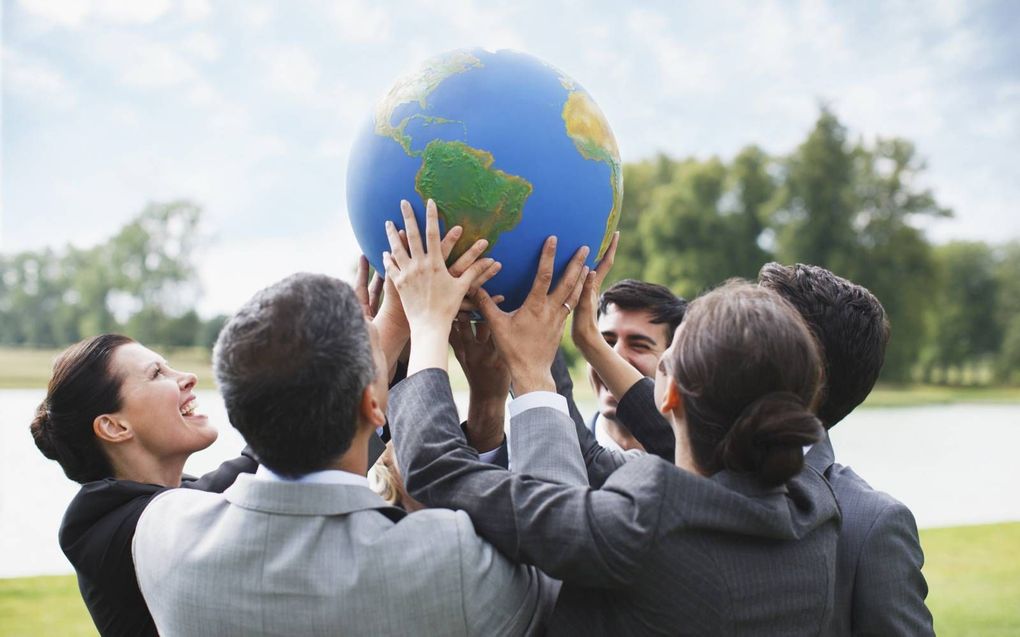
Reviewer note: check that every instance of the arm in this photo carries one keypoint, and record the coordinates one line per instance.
(500, 597)
(889, 588)
(488, 380)
(562, 529)
(599, 461)
(219, 479)
(637, 412)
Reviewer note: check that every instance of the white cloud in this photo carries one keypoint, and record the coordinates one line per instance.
(195, 10)
(292, 71)
(132, 11)
(203, 46)
(149, 64)
(361, 22)
(67, 13)
(72, 13)
(35, 80)
(683, 70)
(256, 14)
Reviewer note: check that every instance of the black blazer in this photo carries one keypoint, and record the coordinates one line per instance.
(96, 535)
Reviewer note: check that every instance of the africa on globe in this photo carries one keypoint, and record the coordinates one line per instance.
(508, 146)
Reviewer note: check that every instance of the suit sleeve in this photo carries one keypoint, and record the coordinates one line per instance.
(219, 479)
(596, 538)
(599, 461)
(637, 412)
(500, 597)
(889, 589)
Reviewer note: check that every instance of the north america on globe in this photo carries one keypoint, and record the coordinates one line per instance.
(510, 149)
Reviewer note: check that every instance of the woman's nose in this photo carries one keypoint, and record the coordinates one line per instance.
(187, 380)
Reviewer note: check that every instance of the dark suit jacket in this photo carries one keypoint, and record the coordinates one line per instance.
(655, 550)
(96, 535)
(879, 586)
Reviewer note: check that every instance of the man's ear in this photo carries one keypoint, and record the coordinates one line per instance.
(370, 410)
(672, 400)
(111, 429)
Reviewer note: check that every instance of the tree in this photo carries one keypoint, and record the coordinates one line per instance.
(964, 329)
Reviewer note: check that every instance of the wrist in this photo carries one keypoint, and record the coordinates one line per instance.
(528, 381)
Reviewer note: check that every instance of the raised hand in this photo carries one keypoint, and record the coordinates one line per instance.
(528, 337)
(488, 379)
(615, 372)
(431, 295)
(584, 329)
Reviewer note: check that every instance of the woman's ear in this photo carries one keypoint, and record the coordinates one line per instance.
(109, 428)
(672, 400)
(370, 410)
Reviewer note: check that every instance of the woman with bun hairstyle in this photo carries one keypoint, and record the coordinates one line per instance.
(121, 422)
(738, 537)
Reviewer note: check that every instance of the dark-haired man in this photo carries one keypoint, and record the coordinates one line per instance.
(638, 320)
(879, 586)
(303, 546)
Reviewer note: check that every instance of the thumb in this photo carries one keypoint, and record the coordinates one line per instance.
(487, 307)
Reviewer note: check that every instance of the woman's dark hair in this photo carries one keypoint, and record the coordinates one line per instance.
(82, 387)
(749, 372)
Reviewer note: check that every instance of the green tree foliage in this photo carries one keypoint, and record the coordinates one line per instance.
(54, 298)
(852, 206)
(964, 330)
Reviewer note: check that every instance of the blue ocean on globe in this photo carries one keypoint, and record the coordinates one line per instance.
(508, 146)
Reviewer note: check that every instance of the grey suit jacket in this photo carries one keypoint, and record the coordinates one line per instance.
(879, 586)
(276, 558)
(656, 550)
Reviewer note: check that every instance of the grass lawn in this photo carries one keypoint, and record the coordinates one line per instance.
(973, 575)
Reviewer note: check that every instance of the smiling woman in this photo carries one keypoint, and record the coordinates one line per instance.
(121, 422)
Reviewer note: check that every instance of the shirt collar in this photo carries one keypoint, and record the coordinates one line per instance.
(329, 476)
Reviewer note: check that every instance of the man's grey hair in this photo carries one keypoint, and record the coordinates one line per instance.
(292, 365)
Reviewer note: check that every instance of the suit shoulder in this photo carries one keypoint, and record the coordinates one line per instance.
(858, 499)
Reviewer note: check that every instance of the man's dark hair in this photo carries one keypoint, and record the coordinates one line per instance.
(849, 323)
(658, 300)
(292, 365)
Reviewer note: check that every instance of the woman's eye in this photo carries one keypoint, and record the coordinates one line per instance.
(156, 372)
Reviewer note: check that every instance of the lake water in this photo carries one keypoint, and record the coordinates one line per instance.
(950, 464)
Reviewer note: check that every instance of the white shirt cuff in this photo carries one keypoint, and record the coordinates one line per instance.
(488, 457)
(535, 399)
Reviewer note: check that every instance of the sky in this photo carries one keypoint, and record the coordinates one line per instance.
(249, 108)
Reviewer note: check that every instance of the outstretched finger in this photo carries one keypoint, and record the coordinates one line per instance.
(432, 239)
(544, 274)
(470, 256)
(484, 277)
(578, 288)
(391, 266)
(450, 240)
(606, 263)
(398, 250)
(411, 228)
(569, 277)
(468, 303)
(487, 307)
(375, 289)
(361, 282)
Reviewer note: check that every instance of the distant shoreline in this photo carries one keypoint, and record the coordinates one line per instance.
(27, 368)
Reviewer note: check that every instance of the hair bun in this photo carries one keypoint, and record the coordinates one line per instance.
(40, 429)
(768, 437)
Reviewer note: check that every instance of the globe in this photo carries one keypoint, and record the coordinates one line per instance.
(509, 147)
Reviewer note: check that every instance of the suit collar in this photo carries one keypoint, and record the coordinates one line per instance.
(821, 455)
(291, 498)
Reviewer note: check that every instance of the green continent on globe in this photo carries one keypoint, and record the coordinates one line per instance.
(587, 126)
(416, 87)
(469, 192)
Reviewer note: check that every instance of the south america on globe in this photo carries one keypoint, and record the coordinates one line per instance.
(509, 147)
